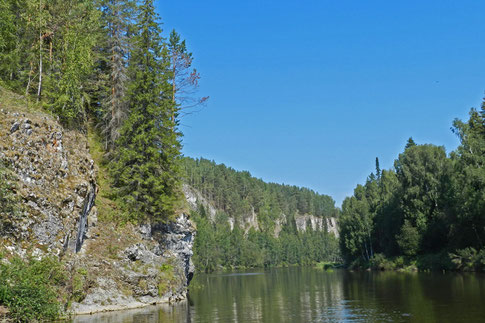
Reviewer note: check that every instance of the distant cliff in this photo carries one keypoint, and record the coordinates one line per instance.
(250, 220)
(245, 222)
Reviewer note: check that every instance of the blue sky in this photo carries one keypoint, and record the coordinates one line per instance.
(308, 92)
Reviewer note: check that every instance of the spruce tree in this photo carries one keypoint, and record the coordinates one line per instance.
(146, 168)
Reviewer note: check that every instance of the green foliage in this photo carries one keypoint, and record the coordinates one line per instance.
(166, 277)
(78, 282)
(434, 262)
(408, 239)
(380, 262)
(429, 205)
(146, 168)
(468, 259)
(356, 226)
(29, 288)
(117, 23)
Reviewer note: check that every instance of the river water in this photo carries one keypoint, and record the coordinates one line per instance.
(314, 295)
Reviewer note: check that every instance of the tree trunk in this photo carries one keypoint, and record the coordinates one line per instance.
(39, 89)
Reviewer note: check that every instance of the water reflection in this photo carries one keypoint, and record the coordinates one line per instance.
(311, 295)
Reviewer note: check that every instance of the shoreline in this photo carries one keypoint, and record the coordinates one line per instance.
(97, 309)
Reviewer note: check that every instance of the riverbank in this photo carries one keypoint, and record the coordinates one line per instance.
(464, 260)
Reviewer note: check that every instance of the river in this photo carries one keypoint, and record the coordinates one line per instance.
(315, 295)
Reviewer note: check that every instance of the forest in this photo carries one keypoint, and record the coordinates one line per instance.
(237, 194)
(106, 67)
(427, 213)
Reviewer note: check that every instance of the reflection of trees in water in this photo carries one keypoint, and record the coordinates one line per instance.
(282, 295)
(431, 297)
(311, 295)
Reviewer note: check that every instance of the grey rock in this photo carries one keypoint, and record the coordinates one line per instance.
(15, 127)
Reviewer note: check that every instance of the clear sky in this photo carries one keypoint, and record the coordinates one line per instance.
(309, 93)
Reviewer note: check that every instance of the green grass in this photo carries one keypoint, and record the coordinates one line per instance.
(109, 208)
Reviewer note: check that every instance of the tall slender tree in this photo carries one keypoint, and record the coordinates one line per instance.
(146, 168)
(118, 16)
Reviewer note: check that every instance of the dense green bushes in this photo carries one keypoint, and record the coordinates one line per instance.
(30, 288)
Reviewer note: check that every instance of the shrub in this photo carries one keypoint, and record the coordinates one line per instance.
(468, 259)
(480, 260)
(28, 288)
(380, 262)
(435, 262)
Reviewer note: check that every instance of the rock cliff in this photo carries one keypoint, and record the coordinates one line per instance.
(53, 177)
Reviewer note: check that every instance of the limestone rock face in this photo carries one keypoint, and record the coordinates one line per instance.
(150, 264)
(250, 220)
(55, 181)
(176, 240)
(317, 223)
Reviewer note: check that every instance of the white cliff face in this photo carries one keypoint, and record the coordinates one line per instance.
(317, 223)
(194, 198)
(332, 226)
(250, 220)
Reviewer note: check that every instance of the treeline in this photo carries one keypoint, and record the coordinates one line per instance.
(428, 212)
(236, 195)
(236, 192)
(107, 63)
(217, 247)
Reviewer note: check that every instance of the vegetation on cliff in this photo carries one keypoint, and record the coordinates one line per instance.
(428, 212)
(255, 222)
(107, 61)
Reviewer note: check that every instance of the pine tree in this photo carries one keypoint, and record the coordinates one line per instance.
(146, 168)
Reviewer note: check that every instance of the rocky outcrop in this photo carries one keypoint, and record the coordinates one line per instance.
(152, 264)
(195, 198)
(317, 223)
(54, 178)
